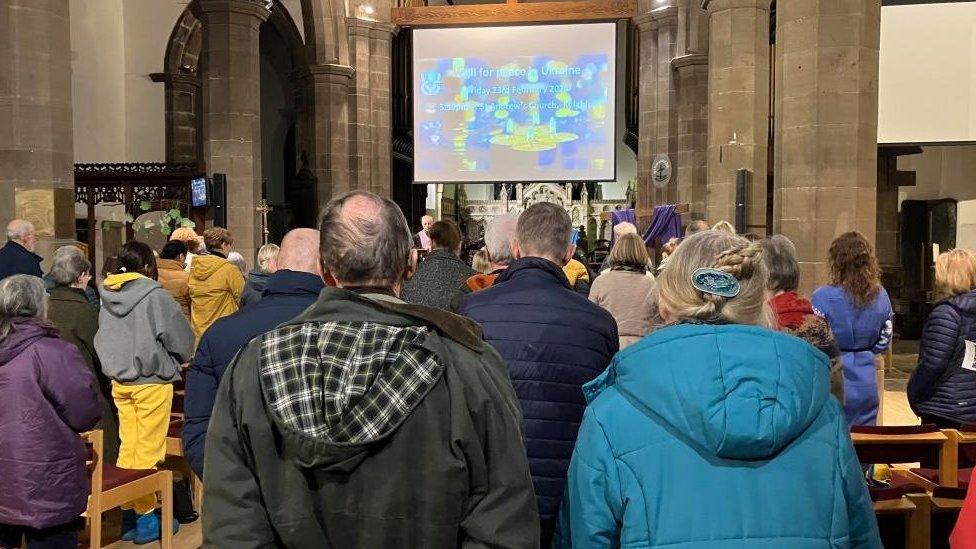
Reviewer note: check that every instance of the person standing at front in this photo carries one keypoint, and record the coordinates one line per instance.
(216, 285)
(942, 389)
(715, 431)
(142, 340)
(553, 339)
(859, 313)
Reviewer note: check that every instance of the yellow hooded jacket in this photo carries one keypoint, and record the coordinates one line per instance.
(215, 291)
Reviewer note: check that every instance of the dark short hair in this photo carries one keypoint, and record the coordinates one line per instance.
(216, 237)
(173, 249)
(779, 254)
(370, 251)
(137, 257)
(445, 235)
(544, 228)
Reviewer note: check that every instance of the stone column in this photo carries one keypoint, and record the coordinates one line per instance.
(691, 160)
(330, 108)
(738, 105)
(36, 138)
(184, 142)
(232, 107)
(826, 125)
(647, 88)
(370, 151)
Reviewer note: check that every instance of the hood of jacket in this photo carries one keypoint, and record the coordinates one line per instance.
(732, 391)
(965, 303)
(343, 376)
(534, 266)
(259, 278)
(287, 282)
(170, 265)
(205, 266)
(23, 333)
(123, 292)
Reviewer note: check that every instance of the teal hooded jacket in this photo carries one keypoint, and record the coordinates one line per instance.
(715, 436)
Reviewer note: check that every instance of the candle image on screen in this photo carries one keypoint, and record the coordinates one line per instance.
(523, 103)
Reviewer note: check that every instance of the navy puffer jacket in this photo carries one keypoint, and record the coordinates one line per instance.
(554, 341)
(940, 385)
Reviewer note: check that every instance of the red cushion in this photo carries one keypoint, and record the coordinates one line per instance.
(906, 485)
(175, 429)
(178, 403)
(113, 477)
(932, 475)
(885, 494)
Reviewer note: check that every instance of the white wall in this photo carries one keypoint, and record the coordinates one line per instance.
(118, 111)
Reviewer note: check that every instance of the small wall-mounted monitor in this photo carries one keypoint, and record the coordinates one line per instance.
(198, 192)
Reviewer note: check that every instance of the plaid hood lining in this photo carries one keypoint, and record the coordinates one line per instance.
(346, 382)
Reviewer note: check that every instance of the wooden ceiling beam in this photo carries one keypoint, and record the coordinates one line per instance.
(515, 13)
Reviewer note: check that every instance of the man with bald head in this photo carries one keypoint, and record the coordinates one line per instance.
(294, 286)
(17, 256)
(368, 422)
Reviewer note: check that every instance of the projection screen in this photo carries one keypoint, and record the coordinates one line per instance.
(514, 103)
(927, 81)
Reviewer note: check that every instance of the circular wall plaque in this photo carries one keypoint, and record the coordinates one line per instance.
(661, 171)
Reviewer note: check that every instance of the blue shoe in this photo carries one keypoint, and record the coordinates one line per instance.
(148, 529)
(129, 517)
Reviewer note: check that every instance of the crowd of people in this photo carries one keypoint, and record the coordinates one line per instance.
(364, 386)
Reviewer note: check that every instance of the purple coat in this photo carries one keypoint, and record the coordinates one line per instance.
(48, 397)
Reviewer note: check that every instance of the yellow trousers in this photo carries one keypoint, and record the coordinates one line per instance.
(144, 412)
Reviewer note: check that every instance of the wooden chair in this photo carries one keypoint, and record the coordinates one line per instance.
(112, 487)
(175, 460)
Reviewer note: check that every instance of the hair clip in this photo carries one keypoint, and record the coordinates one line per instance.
(715, 282)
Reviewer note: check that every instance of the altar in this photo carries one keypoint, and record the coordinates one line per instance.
(583, 211)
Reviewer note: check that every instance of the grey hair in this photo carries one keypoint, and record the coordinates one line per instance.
(237, 260)
(544, 229)
(368, 250)
(779, 254)
(21, 297)
(68, 266)
(498, 238)
(18, 229)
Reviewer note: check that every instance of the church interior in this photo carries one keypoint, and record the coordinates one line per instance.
(807, 118)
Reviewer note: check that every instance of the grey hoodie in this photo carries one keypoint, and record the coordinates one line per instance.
(142, 337)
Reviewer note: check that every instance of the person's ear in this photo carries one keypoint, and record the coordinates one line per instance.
(273, 265)
(569, 253)
(411, 266)
(516, 251)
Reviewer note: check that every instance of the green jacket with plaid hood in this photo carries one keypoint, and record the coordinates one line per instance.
(368, 423)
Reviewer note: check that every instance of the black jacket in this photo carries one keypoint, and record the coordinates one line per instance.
(288, 463)
(554, 341)
(437, 279)
(286, 295)
(940, 385)
(16, 259)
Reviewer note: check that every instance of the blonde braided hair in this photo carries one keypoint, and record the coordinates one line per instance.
(727, 253)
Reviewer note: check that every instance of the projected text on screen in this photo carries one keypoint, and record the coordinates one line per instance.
(530, 103)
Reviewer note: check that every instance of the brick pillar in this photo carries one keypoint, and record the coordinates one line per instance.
(370, 150)
(647, 119)
(330, 108)
(738, 105)
(826, 125)
(232, 108)
(36, 137)
(184, 142)
(691, 160)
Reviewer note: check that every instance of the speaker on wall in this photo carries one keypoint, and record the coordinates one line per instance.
(741, 183)
(219, 195)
